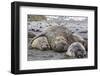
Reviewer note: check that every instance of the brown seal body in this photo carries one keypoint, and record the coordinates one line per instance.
(40, 43)
(76, 50)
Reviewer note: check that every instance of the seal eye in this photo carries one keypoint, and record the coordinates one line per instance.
(79, 53)
(58, 39)
(47, 45)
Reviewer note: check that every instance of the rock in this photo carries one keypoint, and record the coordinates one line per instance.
(33, 30)
(40, 26)
(37, 30)
(85, 31)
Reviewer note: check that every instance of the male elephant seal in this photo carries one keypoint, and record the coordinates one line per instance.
(76, 50)
(59, 37)
(40, 43)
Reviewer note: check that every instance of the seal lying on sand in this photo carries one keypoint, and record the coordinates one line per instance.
(76, 50)
(59, 38)
(40, 43)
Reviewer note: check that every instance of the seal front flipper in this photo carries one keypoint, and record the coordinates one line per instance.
(41, 34)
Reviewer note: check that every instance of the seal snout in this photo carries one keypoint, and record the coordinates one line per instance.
(76, 50)
(45, 47)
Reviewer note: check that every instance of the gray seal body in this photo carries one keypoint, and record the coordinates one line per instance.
(76, 50)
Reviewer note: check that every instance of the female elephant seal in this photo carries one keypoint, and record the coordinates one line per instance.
(76, 50)
(59, 37)
(40, 43)
(78, 38)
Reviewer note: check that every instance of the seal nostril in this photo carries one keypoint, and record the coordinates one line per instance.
(47, 45)
(85, 55)
(79, 57)
(44, 48)
(63, 43)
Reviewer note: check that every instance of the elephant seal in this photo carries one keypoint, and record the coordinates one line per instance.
(76, 50)
(40, 43)
(78, 38)
(59, 37)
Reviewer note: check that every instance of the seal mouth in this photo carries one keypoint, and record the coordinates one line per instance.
(44, 48)
(60, 47)
(80, 54)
